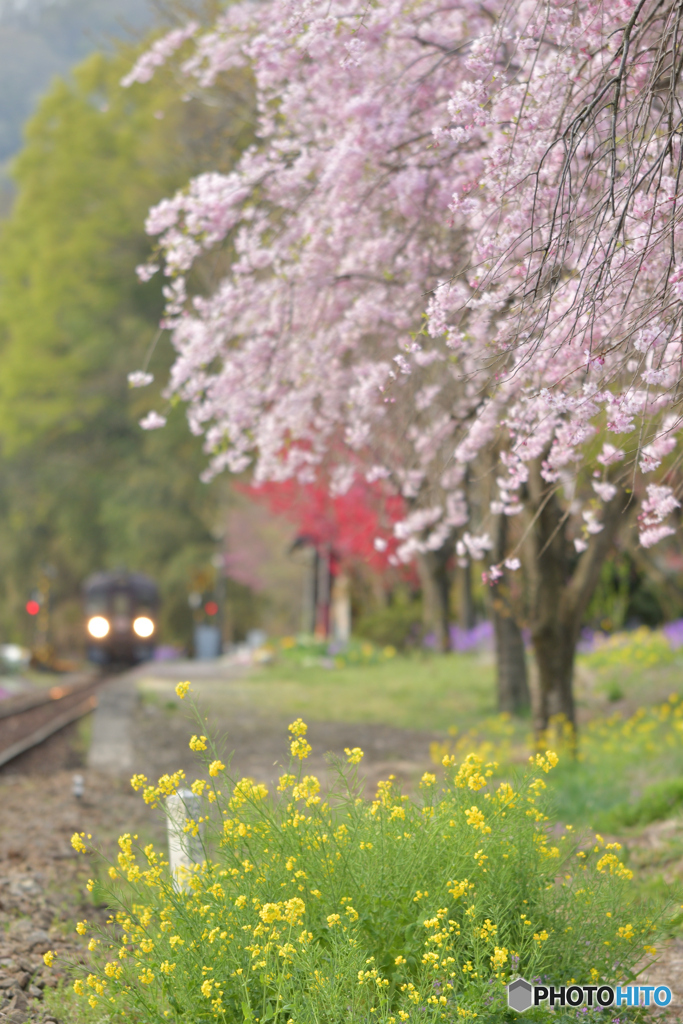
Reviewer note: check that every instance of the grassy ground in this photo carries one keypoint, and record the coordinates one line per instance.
(419, 692)
(455, 695)
(628, 747)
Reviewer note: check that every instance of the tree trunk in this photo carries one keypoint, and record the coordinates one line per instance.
(463, 578)
(436, 597)
(559, 594)
(511, 672)
(513, 687)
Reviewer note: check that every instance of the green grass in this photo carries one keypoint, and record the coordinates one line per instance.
(454, 695)
(615, 768)
(420, 692)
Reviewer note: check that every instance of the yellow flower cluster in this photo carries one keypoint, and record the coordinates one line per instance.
(354, 755)
(266, 914)
(470, 775)
(545, 763)
(245, 790)
(290, 911)
(307, 790)
(499, 958)
(476, 819)
(77, 842)
(299, 747)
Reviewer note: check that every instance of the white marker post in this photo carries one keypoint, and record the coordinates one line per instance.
(184, 848)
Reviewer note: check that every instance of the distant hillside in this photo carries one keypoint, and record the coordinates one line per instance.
(43, 38)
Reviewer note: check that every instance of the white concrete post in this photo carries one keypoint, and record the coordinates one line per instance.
(184, 848)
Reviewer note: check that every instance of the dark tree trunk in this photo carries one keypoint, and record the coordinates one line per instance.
(511, 671)
(463, 577)
(435, 577)
(513, 686)
(559, 593)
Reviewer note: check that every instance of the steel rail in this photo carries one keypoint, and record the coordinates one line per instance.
(27, 720)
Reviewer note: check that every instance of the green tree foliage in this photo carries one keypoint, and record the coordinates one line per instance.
(81, 485)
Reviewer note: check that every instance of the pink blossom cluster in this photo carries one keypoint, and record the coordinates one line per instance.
(158, 53)
(457, 234)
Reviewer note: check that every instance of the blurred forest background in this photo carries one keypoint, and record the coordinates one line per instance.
(82, 487)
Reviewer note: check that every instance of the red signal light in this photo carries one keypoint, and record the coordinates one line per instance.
(32, 607)
(211, 608)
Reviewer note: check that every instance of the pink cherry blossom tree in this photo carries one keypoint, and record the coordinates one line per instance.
(454, 255)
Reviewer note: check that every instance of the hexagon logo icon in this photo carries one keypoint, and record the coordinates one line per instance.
(520, 995)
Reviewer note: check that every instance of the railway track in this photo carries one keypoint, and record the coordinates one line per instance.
(27, 720)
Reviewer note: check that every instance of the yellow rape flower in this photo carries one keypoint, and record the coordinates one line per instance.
(198, 743)
(294, 910)
(182, 689)
(307, 790)
(82, 927)
(333, 919)
(469, 773)
(476, 819)
(215, 767)
(610, 862)
(547, 762)
(298, 728)
(428, 779)
(167, 968)
(354, 755)
(270, 912)
(138, 781)
(77, 842)
(457, 889)
(48, 958)
(78, 987)
(206, 988)
(147, 976)
(300, 748)
(499, 958)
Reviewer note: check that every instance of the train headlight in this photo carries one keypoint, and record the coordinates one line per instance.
(98, 627)
(143, 626)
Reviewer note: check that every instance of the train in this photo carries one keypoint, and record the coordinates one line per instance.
(121, 617)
